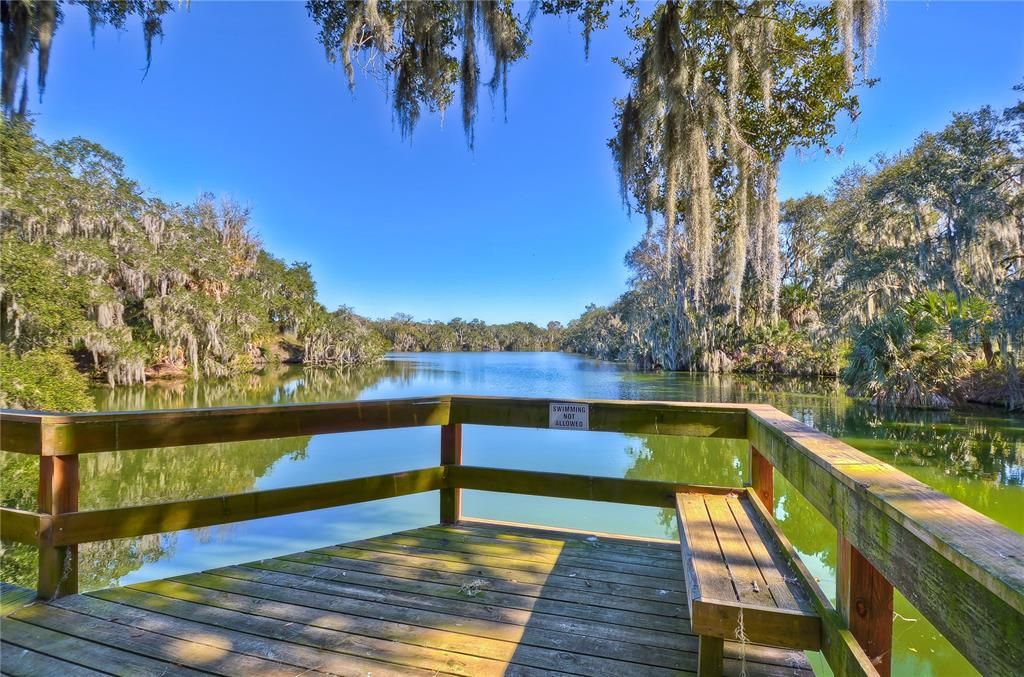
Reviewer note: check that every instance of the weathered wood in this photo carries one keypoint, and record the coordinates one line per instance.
(150, 648)
(13, 597)
(666, 578)
(481, 594)
(729, 595)
(484, 579)
(451, 454)
(549, 631)
(94, 432)
(98, 525)
(441, 561)
(394, 611)
(21, 432)
(500, 527)
(21, 662)
(21, 526)
(710, 656)
(655, 418)
(572, 568)
(97, 656)
(864, 599)
(303, 646)
(594, 550)
(940, 554)
(58, 494)
(560, 485)
(838, 645)
(762, 478)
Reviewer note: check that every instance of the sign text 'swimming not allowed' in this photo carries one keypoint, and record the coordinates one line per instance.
(569, 416)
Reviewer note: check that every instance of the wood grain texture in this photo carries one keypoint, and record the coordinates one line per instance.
(378, 607)
(655, 418)
(22, 526)
(840, 648)
(864, 599)
(582, 487)
(21, 432)
(728, 584)
(98, 525)
(58, 495)
(962, 570)
(117, 431)
(762, 478)
(451, 454)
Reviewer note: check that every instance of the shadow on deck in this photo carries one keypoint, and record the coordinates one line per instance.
(476, 598)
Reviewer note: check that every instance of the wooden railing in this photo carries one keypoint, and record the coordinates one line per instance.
(963, 571)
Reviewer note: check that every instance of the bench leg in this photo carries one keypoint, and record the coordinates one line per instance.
(709, 656)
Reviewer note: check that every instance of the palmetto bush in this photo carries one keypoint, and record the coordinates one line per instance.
(909, 356)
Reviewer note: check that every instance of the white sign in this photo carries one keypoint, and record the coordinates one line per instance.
(568, 416)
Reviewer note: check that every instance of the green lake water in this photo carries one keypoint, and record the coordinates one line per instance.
(975, 456)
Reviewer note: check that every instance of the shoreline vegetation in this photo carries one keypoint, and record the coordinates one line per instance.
(906, 279)
(101, 282)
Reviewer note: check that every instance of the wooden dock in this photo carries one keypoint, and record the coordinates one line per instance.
(480, 598)
(472, 598)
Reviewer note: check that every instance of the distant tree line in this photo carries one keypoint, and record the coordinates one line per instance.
(405, 334)
(906, 278)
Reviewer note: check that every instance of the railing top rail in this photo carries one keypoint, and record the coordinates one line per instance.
(65, 434)
(43, 433)
(28, 416)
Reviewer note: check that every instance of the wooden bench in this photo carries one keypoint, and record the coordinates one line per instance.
(742, 581)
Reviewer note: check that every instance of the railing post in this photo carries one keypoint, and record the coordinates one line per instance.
(451, 454)
(58, 493)
(762, 479)
(864, 600)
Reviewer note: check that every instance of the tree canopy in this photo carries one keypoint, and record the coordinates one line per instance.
(134, 285)
(918, 260)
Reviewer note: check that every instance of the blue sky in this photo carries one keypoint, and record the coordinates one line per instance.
(240, 101)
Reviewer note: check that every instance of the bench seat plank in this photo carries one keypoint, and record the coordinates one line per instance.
(739, 582)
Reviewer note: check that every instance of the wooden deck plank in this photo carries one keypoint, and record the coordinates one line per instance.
(346, 613)
(465, 599)
(466, 609)
(785, 590)
(559, 541)
(641, 565)
(638, 574)
(201, 652)
(299, 645)
(305, 624)
(20, 662)
(544, 532)
(611, 594)
(438, 551)
(480, 594)
(657, 647)
(751, 586)
(13, 597)
(474, 580)
(87, 653)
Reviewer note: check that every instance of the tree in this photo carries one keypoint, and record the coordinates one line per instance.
(29, 25)
(132, 285)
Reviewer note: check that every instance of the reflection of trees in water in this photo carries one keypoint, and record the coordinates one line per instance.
(691, 460)
(114, 479)
(723, 463)
(276, 384)
(980, 444)
(960, 444)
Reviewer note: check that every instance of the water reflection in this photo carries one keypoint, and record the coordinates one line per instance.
(976, 456)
